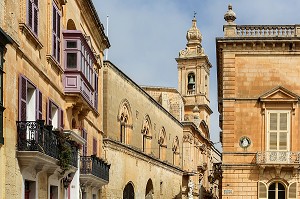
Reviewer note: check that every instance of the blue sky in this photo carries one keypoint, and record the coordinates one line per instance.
(147, 35)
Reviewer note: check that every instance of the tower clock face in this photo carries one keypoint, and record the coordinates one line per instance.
(245, 142)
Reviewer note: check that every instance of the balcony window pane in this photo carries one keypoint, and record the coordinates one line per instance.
(273, 141)
(273, 121)
(283, 141)
(71, 60)
(71, 44)
(283, 121)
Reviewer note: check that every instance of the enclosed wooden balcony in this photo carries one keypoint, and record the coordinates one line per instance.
(80, 78)
(38, 147)
(93, 171)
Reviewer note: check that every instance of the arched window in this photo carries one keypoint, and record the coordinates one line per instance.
(125, 122)
(162, 142)
(71, 25)
(191, 84)
(176, 151)
(128, 192)
(149, 190)
(146, 132)
(276, 191)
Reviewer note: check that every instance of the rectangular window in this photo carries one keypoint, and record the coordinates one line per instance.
(32, 15)
(71, 60)
(54, 115)
(56, 33)
(84, 148)
(72, 44)
(30, 101)
(278, 124)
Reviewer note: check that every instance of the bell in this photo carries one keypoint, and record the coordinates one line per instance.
(191, 80)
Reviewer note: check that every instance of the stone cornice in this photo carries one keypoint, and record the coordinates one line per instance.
(136, 153)
(141, 90)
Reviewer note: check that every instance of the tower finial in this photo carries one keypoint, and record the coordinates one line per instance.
(230, 15)
(195, 14)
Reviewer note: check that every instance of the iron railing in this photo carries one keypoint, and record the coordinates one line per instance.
(95, 166)
(34, 136)
(74, 154)
(277, 157)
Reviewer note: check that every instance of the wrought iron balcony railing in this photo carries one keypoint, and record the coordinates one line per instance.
(74, 154)
(277, 157)
(95, 166)
(33, 136)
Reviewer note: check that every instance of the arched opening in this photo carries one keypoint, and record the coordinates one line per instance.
(276, 191)
(147, 137)
(74, 123)
(149, 190)
(191, 83)
(162, 142)
(128, 192)
(71, 25)
(124, 117)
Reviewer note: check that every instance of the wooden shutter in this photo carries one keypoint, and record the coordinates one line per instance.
(96, 91)
(293, 191)
(35, 16)
(84, 148)
(61, 118)
(39, 105)
(56, 33)
(262, 190)
(58, 37)
(29, 13)
(22, 98)
(49, 112)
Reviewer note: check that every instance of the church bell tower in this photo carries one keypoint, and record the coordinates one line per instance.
(193, 77)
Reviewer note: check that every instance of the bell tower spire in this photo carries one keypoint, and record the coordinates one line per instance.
(193, 76)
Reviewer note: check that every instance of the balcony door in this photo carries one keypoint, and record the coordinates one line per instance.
(278, 136)
(276, 191)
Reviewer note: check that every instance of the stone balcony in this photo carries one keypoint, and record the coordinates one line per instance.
(93, 171)
(286, 158)
(38, 147)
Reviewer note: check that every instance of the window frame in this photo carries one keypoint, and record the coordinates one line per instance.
(56, 33)
(31, 23)
(278, 131)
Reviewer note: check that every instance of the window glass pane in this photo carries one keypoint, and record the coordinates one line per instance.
(283, 121)
(273, 141)
(71, 60)
(273, 121)
(283, 141)
(71, 44)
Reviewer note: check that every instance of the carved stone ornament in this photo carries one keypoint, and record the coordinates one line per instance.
(245, 142)
(230, 16)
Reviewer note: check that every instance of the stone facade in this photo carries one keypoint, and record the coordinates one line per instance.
(35, 88)
(258, 94)
(149, 146)
(77, 127)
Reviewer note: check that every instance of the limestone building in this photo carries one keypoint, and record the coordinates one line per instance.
(258, 91)
(73, 126)
(50, 104)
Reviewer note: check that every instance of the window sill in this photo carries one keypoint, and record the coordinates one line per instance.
(54, 63)
(30, 35)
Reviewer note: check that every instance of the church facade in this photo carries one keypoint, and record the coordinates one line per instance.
(258, 92)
